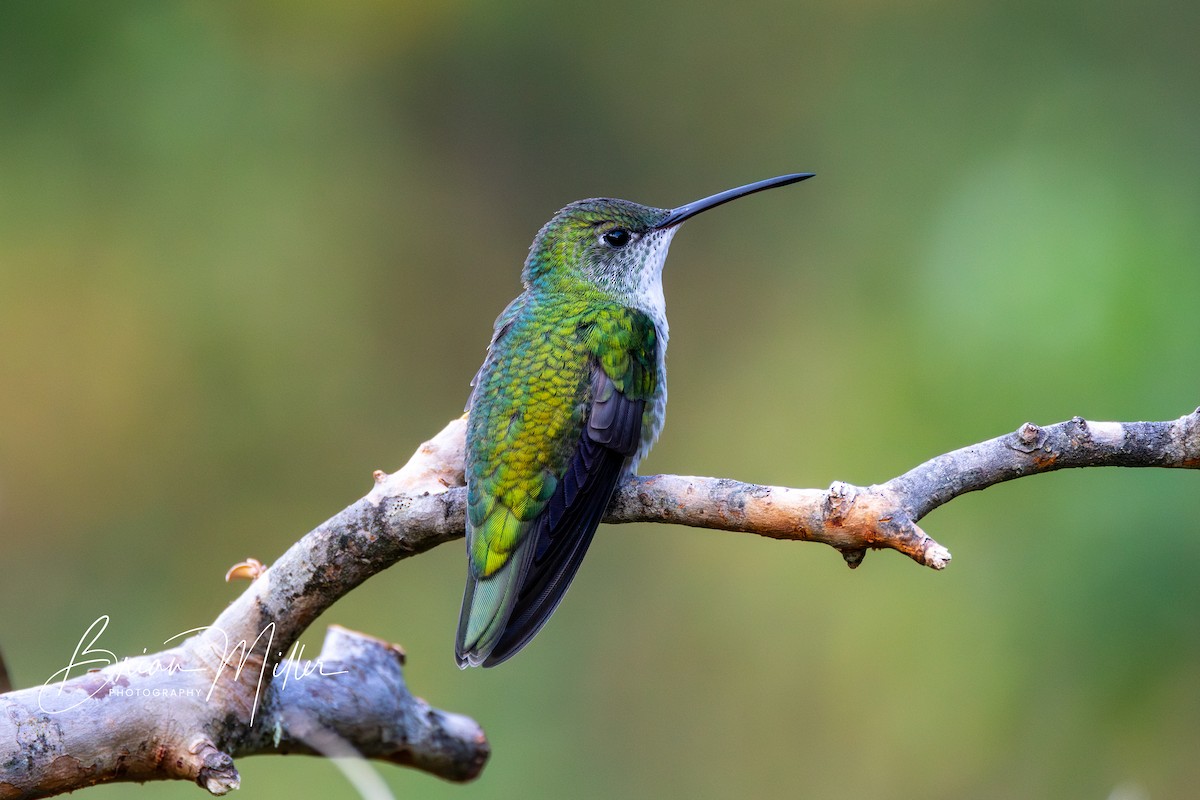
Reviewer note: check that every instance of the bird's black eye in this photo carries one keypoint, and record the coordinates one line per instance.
(617, 237)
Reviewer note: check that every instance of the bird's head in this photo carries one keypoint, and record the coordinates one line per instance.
(616, 245)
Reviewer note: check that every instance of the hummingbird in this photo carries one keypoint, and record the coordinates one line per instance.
(571, 396)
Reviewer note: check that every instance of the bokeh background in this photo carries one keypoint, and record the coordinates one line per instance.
(250, 252)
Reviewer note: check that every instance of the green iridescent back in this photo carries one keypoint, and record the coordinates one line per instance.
(536, 383)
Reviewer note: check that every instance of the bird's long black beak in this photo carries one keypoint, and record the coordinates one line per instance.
(678, 215)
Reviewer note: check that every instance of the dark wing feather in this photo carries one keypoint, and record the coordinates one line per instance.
(565, 528)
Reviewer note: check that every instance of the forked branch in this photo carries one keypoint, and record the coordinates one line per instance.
(185, 713)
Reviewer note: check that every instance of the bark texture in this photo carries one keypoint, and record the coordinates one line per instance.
(233, 688)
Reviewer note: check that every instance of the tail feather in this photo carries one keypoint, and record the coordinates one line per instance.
(560, 551)
(487, 604)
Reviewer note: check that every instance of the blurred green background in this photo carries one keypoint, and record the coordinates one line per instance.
(250, 252)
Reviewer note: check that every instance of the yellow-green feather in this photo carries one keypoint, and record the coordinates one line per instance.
(531, 399)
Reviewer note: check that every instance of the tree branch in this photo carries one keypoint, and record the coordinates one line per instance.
(854, 519)
(240, 687)
(228, 690)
